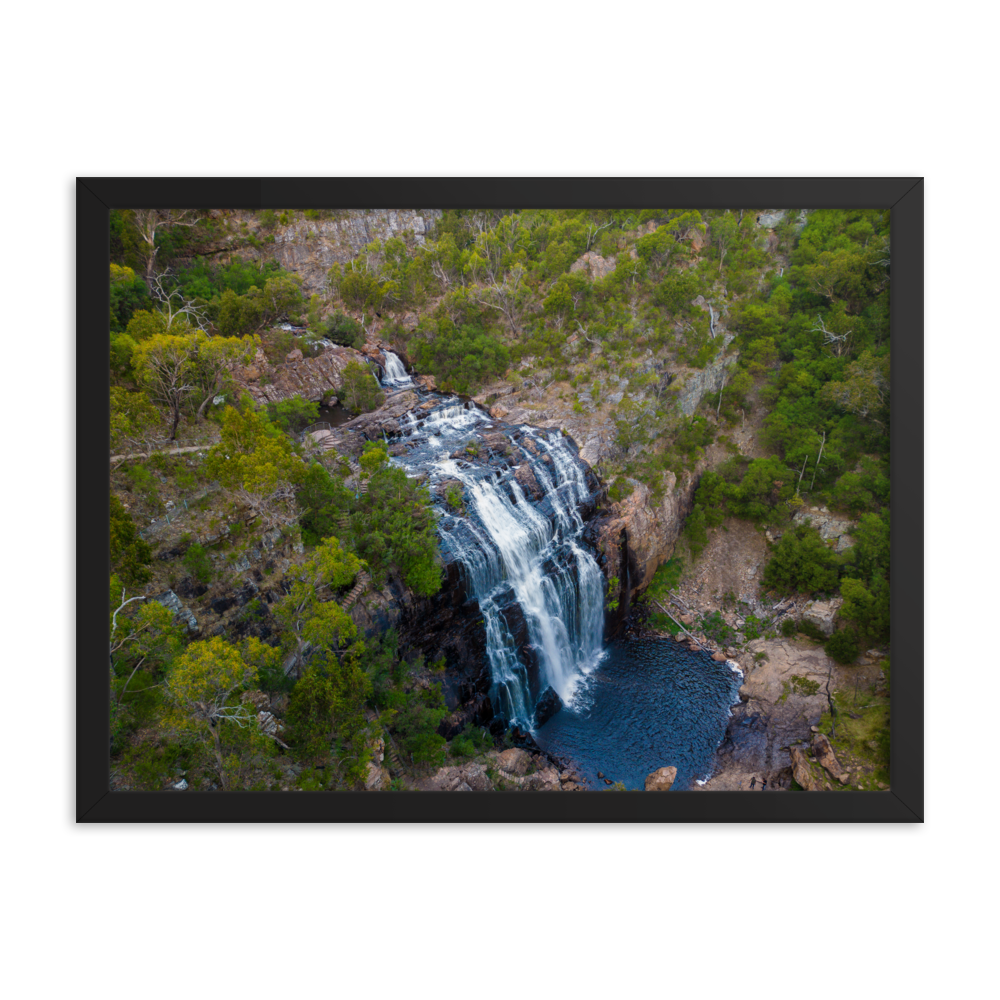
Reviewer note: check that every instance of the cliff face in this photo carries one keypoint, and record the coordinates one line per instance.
(638, 534)
(311, 247)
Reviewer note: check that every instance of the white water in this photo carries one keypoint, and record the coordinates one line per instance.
(395, 374)
(509, 546)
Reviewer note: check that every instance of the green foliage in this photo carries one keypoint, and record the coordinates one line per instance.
(842, 646)
(198, 563)
(461, 358)
(470, 742)
(128, 295)
(789, 628)
(867, 490)
(292, 415)
(801, 562)
(867, 607)
(454, 496)
(804, 685)
(665, 579)
(254, 462)
(807, 628)
(323, 501)
(130, 555)
(343, 330)
(361, 392)
(716, 628)
(393, 528)
(620, 489)
(415, 725)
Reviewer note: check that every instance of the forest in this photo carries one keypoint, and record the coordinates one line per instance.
(220, 497)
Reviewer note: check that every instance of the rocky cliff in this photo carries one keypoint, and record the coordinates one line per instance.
(310, 247)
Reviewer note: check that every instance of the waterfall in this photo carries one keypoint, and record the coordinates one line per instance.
(711, 319)
(395, 373)
(540, 592)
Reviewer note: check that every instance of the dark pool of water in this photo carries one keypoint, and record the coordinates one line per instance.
(335, 415)
(650, 704)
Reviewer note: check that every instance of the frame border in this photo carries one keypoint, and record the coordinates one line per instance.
(95, 196)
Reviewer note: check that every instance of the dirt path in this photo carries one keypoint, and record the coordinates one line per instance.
(160, 451)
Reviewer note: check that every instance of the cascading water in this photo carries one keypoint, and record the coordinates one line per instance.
(540, 592)
(395, 373)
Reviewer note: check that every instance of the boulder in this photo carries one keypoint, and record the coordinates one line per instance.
(719, 657)
(825, 756)
(514, 761)
(661, 780)
(822, 614)
(295, 355)
(801, 770)
(547, 706)
(593, 265)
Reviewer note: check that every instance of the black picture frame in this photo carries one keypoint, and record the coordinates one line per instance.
(95, 197)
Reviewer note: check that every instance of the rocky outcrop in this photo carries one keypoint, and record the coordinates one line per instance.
(826, 758)
(636, 535)
(182, 613)
(822, 614)
(782, 694)
(593, 265)
(831, 528)
(310, 247)
(311, 378)
(802, 772)
(512, 768)
(770, 217)
(384, 420)
(661, 780)
(691, 384)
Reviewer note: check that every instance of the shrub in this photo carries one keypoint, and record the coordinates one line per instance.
(801, 561)
(454, 495)
(842, 646)
(361, 392)
(804, 685)
(789, 628)
(198, 563)
(812, 631)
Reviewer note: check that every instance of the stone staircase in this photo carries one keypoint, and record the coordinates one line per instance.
(360, 586)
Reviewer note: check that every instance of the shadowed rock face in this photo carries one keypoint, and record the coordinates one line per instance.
(636, 535)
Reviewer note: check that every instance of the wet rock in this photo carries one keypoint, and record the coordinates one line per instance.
(547, 706)
(526, 477)
(661, 780)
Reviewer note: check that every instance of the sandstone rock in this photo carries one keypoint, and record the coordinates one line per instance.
(826, 757)
(822, 614)
(801, 770)
(515, 761)
(295, 355)
(661, 780)
(593, 265)
(719, 657)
